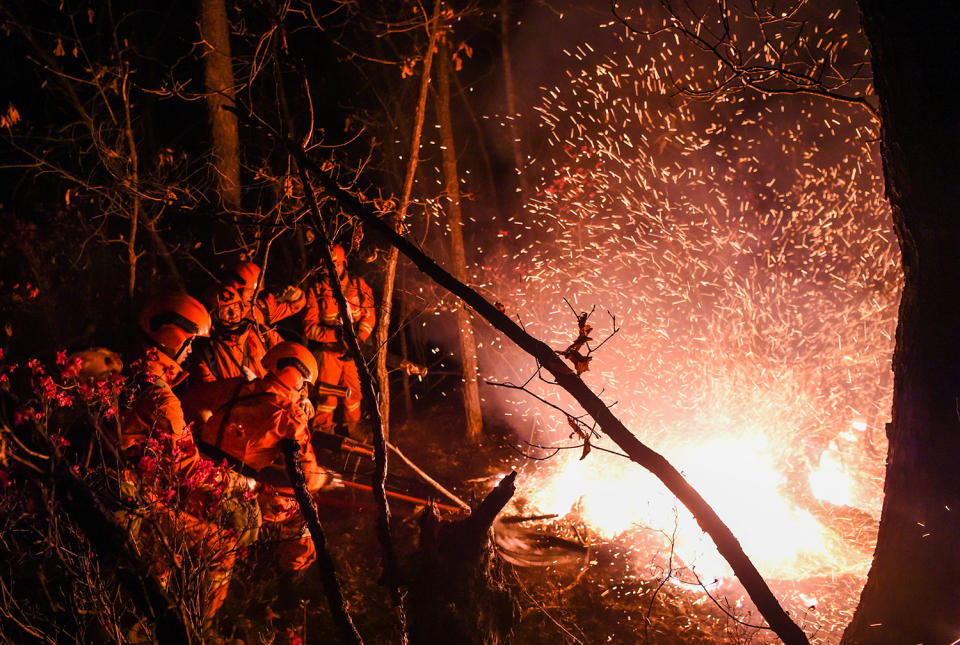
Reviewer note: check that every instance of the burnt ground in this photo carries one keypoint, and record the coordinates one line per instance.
(597, 595)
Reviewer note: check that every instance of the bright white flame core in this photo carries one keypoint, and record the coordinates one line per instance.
(830, 481)
(738, 476)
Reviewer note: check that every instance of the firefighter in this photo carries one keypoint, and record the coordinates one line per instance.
(169, 324)
(159, 464)
(321, 324)
(242, 329)
(244, 423)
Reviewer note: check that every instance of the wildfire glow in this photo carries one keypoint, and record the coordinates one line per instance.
(745, 248)
(739, 477)
(829, 481)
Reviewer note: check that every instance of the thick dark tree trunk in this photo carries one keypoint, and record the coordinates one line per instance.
(458, 256)
(912, 594)
(219, 85)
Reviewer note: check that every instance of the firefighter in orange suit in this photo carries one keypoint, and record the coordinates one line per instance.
(242, 329)
(161, 467)
(244, 423)
(321, 323)
(169, 324)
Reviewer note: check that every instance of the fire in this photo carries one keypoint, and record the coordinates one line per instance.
(830, 481)
(745, 248)
(739, 477)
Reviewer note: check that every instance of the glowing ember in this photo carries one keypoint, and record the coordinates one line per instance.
(745, 248)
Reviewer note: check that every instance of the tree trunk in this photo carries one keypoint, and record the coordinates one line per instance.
(911, 594)
(390, 272)
(220, 89)
(458, 258)
(325, 564)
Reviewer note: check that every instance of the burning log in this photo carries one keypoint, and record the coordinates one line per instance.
(457, 593)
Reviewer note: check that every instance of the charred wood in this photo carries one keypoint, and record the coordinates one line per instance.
(457, 592)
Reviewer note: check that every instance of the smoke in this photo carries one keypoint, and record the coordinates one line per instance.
(745, 249)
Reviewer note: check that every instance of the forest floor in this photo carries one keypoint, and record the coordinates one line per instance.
(597, 596)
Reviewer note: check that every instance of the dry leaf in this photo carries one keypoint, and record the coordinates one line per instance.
(580, 362)
(10, 117)
(582, 433)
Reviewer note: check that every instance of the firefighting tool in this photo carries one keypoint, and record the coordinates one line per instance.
(331, 389)
(217, 455)
(347, 447)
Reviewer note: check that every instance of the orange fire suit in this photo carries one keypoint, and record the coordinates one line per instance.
(321, 323)
(224, 355)
(162, 462)
(156, 413)
(246, 422)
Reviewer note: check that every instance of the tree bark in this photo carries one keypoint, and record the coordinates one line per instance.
(458, 258)
(390, 271)
(132, 254)
(328, 570)
(220, 90)
(392, 576)
(706, 517)
(912, 594)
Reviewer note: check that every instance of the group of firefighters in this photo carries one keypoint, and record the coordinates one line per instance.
(244, 391)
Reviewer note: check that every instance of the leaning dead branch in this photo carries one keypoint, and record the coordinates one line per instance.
(392, 576)
(328, 571)
(727, 544)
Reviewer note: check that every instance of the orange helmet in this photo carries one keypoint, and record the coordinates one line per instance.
(285, 355)
(228, 295)
(245, 276)
(170, 320)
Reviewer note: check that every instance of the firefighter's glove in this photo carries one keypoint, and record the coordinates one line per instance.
(307, 407)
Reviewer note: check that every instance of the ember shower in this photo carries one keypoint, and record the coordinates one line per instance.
(746, 250)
